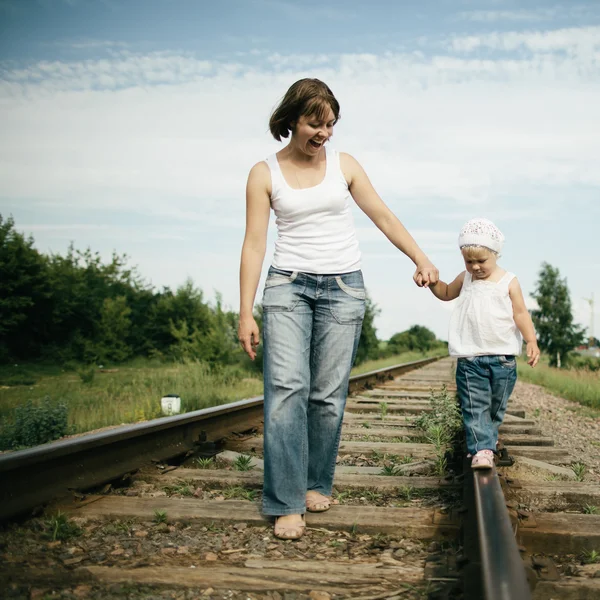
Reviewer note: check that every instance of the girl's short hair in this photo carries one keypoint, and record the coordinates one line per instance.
(306, 97)
(473, 252)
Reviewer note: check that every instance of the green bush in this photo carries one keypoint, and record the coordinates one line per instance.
(33, 424)
(585, 363)
(87, 374)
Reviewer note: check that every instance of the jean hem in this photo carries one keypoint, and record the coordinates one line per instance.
(282, 512)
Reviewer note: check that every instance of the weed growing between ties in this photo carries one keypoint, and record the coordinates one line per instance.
(579, 469)
(383, 408)
(243, 463)
(60, 528)
(441, 427)
(590, 557)
(160, 516)
(204, 463)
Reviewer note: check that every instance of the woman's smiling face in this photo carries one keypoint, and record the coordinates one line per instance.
(312, 131)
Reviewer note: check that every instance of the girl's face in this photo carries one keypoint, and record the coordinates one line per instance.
(480, 264)
(311, 132)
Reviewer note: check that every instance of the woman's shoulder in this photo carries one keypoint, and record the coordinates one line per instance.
(260, 177)
(260, 170)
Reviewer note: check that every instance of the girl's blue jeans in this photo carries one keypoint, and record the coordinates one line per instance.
(484, 384)
(311, 329)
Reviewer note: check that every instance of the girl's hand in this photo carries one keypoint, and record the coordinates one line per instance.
(249, 336)
(533, 353)
(426, 274)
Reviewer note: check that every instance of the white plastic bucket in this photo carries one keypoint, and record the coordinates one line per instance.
(170, 404)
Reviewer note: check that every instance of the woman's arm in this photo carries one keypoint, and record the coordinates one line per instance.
(373, 206)
(523, 321)
(258, 205)
(448, 291)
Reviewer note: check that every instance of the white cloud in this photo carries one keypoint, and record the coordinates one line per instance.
(492, 16)
(580, 42)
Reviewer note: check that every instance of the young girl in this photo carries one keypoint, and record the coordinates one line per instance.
(485, 334)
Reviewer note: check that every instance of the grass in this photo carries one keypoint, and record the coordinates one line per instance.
(579, 469)
(60, 528)
(160, 516)
(243, 463)
(131, 392)
(579, 385)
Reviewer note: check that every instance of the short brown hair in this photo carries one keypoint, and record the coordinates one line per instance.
(306, 97)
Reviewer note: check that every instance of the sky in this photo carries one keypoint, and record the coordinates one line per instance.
(131, 125)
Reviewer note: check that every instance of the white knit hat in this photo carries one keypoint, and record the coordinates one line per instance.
(481, 232)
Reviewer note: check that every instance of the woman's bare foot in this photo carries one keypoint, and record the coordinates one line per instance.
(317, 502)
(289, 527)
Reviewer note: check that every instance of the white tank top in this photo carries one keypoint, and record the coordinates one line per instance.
(482, 321)
(315, 227)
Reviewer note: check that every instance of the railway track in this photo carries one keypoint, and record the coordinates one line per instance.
(170, 509)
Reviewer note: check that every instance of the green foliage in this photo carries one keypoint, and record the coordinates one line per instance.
(416, 338)
(243, 463)
(579, 469)
(441, 426)
(79, 308)
(87, 373)
(60, 528)
(590, 557)
(160, 516)
(383, 408)
(238, 492)
(115, 326)
(368, 345)
(390, 470)
(31, 424)
(204, 463)
(556, 331)
(584, 363)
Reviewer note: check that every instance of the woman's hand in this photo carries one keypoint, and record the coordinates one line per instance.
(533, 353)
(249, 336)
(426, 274)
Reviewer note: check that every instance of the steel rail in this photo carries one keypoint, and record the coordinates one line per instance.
(496, 570)
(32, 477)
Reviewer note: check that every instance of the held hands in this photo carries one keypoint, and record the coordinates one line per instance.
(249, 336)
(533, 353)
(426, 274)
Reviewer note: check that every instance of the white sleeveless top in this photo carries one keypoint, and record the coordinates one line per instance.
(482, 321)
(315, 227)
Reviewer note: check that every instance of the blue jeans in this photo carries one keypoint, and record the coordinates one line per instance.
(311, 329)
(484, 384)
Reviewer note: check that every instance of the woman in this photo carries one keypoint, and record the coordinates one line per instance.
(314, 297)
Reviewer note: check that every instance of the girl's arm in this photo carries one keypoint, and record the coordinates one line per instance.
(523, 322)
(258, 205)
(448, 291)
(373, 206)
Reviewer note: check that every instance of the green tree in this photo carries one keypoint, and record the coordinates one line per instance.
(115, 325)
(557, 334)
(368, 345)
(24, 293)
(417, 338)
